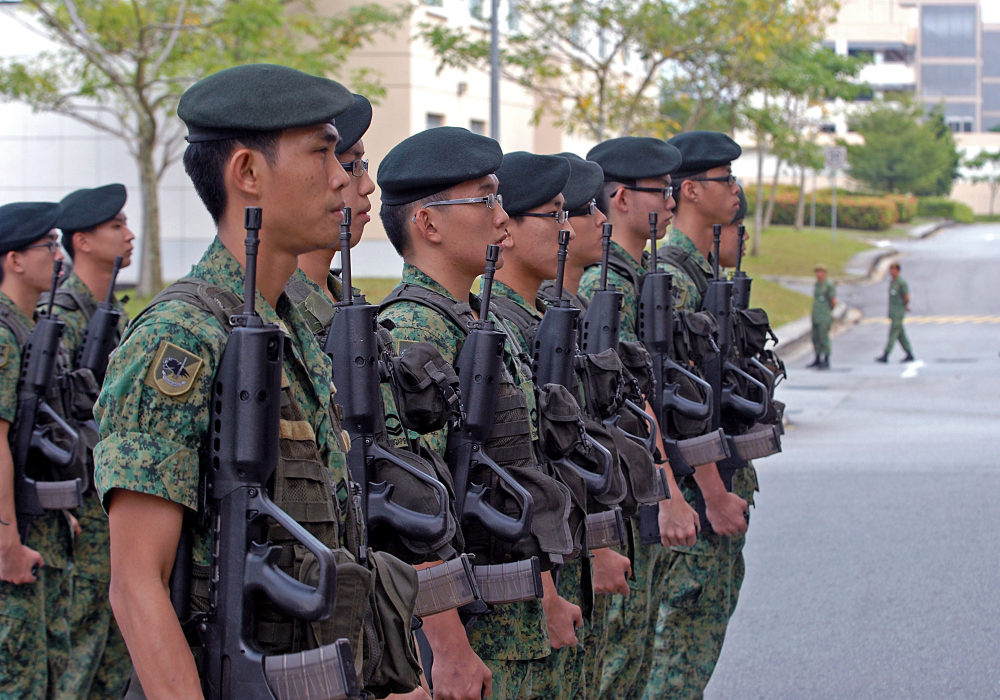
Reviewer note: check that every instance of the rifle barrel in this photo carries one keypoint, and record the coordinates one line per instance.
(716, 242)
(114, 278)
(492, 255)
(605, 252)
(345, 255)
(741, 231)
(251, 222)
(56, 269)
(561, 270)
(653, 223)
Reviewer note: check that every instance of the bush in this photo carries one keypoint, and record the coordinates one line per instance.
(853, 211)
(944, 208)
(906, 204)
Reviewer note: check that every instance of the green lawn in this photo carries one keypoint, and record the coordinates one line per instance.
(782, 304)
(787, 252)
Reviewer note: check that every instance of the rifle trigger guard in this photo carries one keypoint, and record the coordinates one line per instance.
(598, 483)
(748, 408)
(382, 511)
(687, 408)
(496, 523)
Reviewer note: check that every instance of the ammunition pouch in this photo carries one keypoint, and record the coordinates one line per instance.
(426, 388)
(603, 379)
(560, 422)
(639, 364)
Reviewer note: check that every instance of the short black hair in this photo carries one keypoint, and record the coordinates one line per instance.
(204, 162)
(396, 219)
(895, 265)
(603, 197)
(676, 183)
(67, 242)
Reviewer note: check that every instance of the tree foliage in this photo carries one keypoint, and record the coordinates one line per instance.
(121, 65)
(904, 150)
(985, 167)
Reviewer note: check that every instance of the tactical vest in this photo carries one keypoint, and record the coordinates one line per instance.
(72, 394)
(510, 445)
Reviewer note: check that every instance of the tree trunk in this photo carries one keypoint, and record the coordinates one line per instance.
(758, 212)
(774, 193)
(150, 274)
(800, 207)
(993, 196)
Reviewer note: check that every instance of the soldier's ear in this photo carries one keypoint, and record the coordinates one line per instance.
(425, 225)
(243, 171)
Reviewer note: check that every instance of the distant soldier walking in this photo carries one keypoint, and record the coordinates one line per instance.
(824, 300)
(899, 304)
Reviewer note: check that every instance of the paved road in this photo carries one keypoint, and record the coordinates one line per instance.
(873, 559)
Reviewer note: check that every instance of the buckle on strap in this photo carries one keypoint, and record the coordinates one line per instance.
(510, 583)
(446, 586)
(326, 673)
(605, 529)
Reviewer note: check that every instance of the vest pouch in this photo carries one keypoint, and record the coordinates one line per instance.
(427, 388)
(567, 477)
(83, 391)
(639, 364)
(560, 423)
(597, 432)
(551, 538)
(693, 337)
(755, 331)
(639, 472)
(391, 664)
(603, 382)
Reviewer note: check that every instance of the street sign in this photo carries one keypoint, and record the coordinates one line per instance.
(836, 157)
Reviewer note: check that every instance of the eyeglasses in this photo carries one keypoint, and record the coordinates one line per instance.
(729, 179)
(52, 245)
(490, 200)
(357, 168)
(667, 191)
(587, 209)
(560, 216)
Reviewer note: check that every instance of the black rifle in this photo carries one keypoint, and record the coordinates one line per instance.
(479, 367)
(553, 361)
(101, 335)
(353, 347)
(243, 454)
(35, 443)
(601, 329)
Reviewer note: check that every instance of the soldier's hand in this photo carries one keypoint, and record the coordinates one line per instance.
(418, 694)
(611, 572)
(562, 618)
(17, 564)
(727, 513)
(75, 524)
(460, 675)
(679, 522)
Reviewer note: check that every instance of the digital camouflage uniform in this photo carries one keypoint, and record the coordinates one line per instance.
(514, 635)
(99, 663)
(151, 440)
(898, 291)
(822, 316)
(34, 617)
(561, 675)
(625, 663)
(701, 583)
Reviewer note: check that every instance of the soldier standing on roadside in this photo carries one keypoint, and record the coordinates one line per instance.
(899, 304)
(824, 301)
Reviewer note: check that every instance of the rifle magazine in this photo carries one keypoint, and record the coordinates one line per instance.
(761, 442)
(445, 586)
(510, 583)
(605, 529)
(60, 495)
(704, 449)
(326, 673)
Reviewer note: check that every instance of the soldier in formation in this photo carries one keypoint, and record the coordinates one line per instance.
(487, 542)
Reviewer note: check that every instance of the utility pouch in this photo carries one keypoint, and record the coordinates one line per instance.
(616, 493)
(643, 478)
(391, 664)
(551, 538)
(602, 377)
(639, 364)
(560, 423)
(753, 332)
(427, 388)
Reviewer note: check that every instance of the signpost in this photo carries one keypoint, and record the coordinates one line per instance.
(836, 158)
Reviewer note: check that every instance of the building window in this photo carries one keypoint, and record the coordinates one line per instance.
(948, 31)
(477, 126)
(991, 97)
(434, 120)
(991, 54)
(948, 80)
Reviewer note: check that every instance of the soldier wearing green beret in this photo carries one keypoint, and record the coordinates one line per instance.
(702, 581)
(35, 604)
(440, 210)
(247, 147)
(824, 301)
(94, 231)
(637, 181)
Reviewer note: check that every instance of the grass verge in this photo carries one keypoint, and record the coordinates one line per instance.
(787, 252)
(782, 304)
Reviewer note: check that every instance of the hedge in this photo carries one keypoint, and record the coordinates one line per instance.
(906, 204)
(853, 211)
(944, 208)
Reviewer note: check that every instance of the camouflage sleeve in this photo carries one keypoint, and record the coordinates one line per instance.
(685, 292)
(630, 307)
(589, 282)
(10, 369)
(76, 325)
(153, 409)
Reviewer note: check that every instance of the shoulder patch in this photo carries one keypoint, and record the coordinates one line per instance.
(4, 354)
(174, 370)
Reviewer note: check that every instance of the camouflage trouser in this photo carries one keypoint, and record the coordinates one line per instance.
(99, 662)
(626, 662)
(700, 589)
(594, 650)
(511, 679)
(898, 332)
(34, 635)
(561, 674)
(821, 337)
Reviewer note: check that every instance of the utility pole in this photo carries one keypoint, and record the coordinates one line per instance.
(495, 70)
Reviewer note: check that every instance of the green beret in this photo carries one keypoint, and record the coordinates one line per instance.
(259, 97)
(704, 150)
(85, 209)
(528, 181)
(353, 123)
(631, 158)
(434, 160)
(741, 213)
(23, 223)
(585, 181)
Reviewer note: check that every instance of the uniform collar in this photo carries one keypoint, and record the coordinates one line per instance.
(680, 240)
(13, 308)
(501, 289)
(414, 275)
(620, 252)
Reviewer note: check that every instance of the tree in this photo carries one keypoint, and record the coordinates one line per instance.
(987, 167)
(121, 66)
(903, 151)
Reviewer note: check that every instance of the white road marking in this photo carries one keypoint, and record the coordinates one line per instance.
(911, 370)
